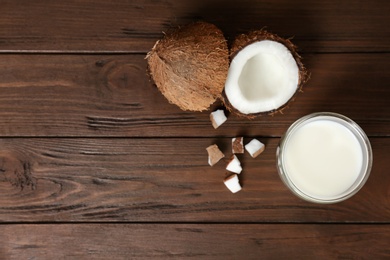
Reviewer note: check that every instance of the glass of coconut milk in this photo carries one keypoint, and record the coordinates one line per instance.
(324, 158)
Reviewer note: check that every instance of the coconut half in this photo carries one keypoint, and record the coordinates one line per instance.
(189, 65)
(264, 75)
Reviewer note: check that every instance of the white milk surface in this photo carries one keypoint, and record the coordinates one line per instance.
(323, 158)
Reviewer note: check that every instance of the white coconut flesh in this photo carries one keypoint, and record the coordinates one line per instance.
(262, 77)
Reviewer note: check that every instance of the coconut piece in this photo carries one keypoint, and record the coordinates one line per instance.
(232, 183)
(237, 145)
(189, 65)
(254, 148)
(265, 74)
(217, 118)
(214, 154)
(234, 165)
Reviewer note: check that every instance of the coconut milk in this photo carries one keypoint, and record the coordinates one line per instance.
(323, 158)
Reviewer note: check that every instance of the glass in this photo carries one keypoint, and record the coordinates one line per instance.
(288, 175)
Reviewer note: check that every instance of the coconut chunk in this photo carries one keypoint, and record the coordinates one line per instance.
(234, 165)
(232, 183)
(254, 148)
(237, 145)
(214, 154)
(217, 118)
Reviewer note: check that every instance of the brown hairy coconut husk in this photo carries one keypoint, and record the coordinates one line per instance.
(265, 74)
(189, 65)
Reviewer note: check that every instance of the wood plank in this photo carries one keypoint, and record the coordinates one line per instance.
(169, 179)
(135, 241)
(111, 95)
(134, 26)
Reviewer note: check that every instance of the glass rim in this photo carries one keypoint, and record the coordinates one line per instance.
(359, 134)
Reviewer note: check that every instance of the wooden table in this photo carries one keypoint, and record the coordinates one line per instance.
(95, 163)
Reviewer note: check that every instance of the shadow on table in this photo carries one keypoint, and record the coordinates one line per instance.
(285, 18)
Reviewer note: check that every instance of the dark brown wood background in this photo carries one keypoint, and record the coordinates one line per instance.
(95, 163)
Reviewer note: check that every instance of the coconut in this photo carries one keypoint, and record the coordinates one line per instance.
(255, 148)
(189, 65)
(234, 165)
(264, 76)
(233, 183)
(217, 118)
(237, 145)
(215, 155)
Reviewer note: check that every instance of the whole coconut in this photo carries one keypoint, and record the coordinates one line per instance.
(189, 65)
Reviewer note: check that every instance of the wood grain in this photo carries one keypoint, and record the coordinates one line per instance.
(111, 95)
(168, 179)
(96, 164)
(133, 241)
(134, 26)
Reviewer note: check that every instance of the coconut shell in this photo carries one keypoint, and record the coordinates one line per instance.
(189, 65)
(243, 40)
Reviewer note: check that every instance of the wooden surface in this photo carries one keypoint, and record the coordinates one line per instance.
(195, 241)
(96, 164)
